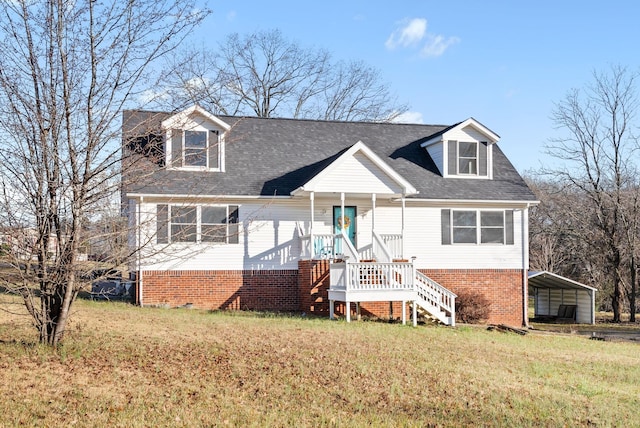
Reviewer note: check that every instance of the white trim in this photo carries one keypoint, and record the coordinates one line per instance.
(178, 120)
(493, 137)
(164, 196)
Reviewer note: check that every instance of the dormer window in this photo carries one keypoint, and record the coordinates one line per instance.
(195, 149)
(195, 140)
(467, 158)
(463, 150)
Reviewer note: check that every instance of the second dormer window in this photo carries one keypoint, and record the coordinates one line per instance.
(467, 158)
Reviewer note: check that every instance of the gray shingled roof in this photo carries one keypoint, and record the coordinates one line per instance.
(275, 156)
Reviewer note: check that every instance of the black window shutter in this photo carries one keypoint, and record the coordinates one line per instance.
(176, 148)
(213, 149)
(508, 227)
(452, 153)
(446, 226)
(482, 159)
(162, 224)
(233, 224)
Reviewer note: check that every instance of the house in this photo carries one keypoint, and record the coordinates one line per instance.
(323, 217)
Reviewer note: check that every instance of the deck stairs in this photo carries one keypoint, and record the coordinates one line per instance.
(431, 299)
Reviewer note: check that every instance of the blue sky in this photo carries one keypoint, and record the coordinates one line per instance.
(504, 63)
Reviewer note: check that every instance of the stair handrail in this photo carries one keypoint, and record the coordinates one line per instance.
(380, 249)
(435, 294)
(351, 252)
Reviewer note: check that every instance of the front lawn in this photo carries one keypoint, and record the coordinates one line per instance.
(122, 365)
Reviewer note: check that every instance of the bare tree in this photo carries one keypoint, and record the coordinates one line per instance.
(598, 148)
(263, 74)
(68, 70)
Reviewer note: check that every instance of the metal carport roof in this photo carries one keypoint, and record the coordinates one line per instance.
(547, 279)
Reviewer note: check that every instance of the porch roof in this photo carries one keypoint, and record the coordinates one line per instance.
(358, 170)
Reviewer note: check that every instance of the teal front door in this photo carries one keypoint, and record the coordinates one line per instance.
(346, 221)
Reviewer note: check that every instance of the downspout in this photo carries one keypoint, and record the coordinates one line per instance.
(139, 226)
(402, 231)
(525, 266)
(373, 214)
(311, 241)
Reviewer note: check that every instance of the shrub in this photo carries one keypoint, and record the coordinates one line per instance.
(471, 307)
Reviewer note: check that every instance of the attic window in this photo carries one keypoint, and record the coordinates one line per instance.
(195, 149)
(467, 158)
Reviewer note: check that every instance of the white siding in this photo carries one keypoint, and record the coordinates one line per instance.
(437, 154)
(357, 174)
(423, 239)
(269, 237)
(465, 134)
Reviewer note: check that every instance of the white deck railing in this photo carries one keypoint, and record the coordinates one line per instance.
(373, 276)
(393, 242)
(435, 295)
(384, 247)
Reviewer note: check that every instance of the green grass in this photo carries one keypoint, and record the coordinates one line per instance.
(125, 366)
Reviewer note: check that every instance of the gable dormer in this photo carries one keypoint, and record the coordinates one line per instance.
(463, 150)
(194, 140)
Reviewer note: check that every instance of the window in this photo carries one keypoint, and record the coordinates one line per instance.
(467, 158)
(195, 149)
(197, 223)
(473, 227)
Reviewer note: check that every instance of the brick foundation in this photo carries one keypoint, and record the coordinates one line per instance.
(306, 290)
(273, 290)
(501, 287)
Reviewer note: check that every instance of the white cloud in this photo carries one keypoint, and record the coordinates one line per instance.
(408, 34)
(436, 45)
(409, 117)
(413, 33)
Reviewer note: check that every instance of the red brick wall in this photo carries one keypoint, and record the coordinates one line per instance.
(501, 287)
(306, 290)
(229, 289)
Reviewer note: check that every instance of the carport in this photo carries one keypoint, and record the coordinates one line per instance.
(553, 292)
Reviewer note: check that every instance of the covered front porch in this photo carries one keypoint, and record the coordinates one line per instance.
(366, 251)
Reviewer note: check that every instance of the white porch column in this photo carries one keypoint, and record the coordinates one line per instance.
(342, 209)
(311, 242)
(373, 214)
(402, 241)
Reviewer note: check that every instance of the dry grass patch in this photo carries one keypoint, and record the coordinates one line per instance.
(126, 366)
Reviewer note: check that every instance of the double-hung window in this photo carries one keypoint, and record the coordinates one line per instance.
(477, 226)
(467, 158)
(197, 223)
(198, 149)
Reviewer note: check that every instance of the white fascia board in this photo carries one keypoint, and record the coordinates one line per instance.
(178, 119)
(491, 136)
(475, 203)
(310, 185)
(480, 128)
(187, 196)
(432, 141)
